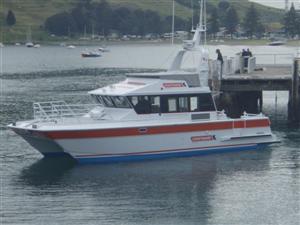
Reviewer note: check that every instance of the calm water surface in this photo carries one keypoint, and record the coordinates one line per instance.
(253, 187)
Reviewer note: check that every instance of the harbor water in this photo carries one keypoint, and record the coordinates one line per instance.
(250, 187)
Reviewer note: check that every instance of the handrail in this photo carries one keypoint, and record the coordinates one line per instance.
(274, 57)
(60, 109)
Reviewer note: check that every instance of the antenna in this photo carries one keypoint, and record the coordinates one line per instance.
(201, 14)
(286, 5)
(173, 22)
(192, 6)
(204, 25)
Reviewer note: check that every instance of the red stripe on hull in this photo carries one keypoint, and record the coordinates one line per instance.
(121, 132)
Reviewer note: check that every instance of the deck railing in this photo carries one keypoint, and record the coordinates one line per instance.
(274, 59)
(60, 109)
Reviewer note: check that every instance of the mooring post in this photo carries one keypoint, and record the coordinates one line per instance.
(295, 99)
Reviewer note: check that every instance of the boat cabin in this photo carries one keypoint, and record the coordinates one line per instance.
(155, 96)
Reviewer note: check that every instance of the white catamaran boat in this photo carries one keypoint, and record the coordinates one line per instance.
(146, 116)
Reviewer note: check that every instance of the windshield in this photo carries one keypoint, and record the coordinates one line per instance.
(113, 101)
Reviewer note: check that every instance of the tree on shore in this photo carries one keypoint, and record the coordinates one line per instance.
(231, 20)
(213, 22)
(291, 22)
(252, 24)
(61, 24)
(103, 15)
(10, 18)
(223, 6)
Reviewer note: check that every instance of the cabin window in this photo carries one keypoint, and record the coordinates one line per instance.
(145, 104)
(107, 101)
(172, 105)
(112, 101)
(155, 104)
(206, 103)
(141, 104)
(183, 104)
(134, 100)
(120, 102)
(97, 99)
(194, 104)
(187, 103)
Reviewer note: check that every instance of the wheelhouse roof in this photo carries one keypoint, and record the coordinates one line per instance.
(139, 86)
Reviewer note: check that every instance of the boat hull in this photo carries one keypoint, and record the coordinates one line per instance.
(132, 144)
(47, 147)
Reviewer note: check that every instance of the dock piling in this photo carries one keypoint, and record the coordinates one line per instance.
(294, 101)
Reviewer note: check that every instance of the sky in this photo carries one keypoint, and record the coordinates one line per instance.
(277, 3)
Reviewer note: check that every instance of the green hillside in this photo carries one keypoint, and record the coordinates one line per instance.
(33, 13)
(268, 14)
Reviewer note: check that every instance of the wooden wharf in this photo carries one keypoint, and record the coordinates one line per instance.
(242, 91)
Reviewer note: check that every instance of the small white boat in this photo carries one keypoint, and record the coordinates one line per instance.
(277, 43)
(90, 54)
(146, 116)
(71, 46)
(37, 46)
(29, 45)
(103, 49)
(1, 45)
(17, 44)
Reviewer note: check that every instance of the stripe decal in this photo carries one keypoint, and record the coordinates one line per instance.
(165, 151)
(121, 132)
(126, 158)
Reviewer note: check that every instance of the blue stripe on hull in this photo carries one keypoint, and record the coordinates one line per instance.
(56, 154)
(127, 158)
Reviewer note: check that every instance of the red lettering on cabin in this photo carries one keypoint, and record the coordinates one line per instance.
(173, 85)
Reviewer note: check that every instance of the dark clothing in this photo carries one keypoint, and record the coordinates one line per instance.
(220, 57)
(244, 53)
(249, 53)
(143, 107)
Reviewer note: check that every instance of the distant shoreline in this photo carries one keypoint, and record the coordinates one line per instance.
(261, 42)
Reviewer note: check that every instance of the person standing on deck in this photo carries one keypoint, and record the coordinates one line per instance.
(220, 62)
(249, 53)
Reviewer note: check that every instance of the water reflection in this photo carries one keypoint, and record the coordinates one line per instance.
(160, 191)
(46, 171)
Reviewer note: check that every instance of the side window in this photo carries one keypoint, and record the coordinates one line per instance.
(194, 104)
(141, 104)
(155, 104)
(183, 104)
(134, 100)
(172, 105)
(206, 103)
(120, 102)
(97, 99)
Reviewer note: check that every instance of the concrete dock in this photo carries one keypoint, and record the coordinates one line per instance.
(241, 85)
